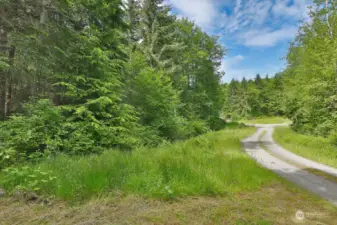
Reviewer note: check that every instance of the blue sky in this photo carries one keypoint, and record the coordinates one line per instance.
(256, 33)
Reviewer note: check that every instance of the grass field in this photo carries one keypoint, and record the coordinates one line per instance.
(315, 148)
(205, 180)
(266, 120)
(210, 165)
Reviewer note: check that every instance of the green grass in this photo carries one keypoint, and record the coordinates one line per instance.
(214, 180)
(209, 165)
(318, 149)
(266, 120)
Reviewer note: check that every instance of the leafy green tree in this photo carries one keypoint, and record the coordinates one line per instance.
(310, 78)
(110, 74)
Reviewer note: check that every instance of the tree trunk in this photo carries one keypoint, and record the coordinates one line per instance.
(327, 18)
(3, 76)
(9, 83)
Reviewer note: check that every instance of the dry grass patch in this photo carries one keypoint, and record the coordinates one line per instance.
(274, 204)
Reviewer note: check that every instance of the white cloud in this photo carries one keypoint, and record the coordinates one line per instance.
(234, 69)
(203, 12)
(248, 13)
(264, 23)
(250, 23)
(229, 62)
(267, 37)
(237, 7)
(228, 66)
(299, 9)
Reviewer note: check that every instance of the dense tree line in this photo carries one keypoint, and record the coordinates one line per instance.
(310, 89)
(79, 76)
(254, 98)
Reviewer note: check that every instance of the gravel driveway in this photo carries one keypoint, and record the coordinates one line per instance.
(289, 165)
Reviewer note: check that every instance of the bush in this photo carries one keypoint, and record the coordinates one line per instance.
(191, 128)
(36, 132)
(44, 129)
(25, 178)
(217, 123)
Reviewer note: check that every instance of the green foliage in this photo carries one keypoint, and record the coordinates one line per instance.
(200, 77)
(103, 75)
(7, 157)
(267, 120)
(255, 98)
(193, 127)
(25, 178)
(213, 164)
(156, 101)
(45, 130)
(217, 123)
(311, 73)
(36, 132)
(319, 149)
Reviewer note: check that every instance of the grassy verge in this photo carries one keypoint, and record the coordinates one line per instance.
(212, 179)
(271, 204)
(298, 165)
(315, 148)
(210, 165)
(266, 120)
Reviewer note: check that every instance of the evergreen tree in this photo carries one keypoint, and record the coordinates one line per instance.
(157, 33)
(81, 77)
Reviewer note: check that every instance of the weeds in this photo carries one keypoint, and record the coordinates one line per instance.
(209, 165)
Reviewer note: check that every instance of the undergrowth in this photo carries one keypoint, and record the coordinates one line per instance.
(210, 165)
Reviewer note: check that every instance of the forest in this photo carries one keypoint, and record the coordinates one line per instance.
(80, 77)
(254, 98)
(114, 100)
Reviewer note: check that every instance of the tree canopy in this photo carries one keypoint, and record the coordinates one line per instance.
(81, 77)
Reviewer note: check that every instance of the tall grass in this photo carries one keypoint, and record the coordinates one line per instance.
(315, 148)
(212, 164)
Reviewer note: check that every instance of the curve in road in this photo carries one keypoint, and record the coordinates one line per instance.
(277, 161)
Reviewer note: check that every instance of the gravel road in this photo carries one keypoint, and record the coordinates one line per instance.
(289, 165)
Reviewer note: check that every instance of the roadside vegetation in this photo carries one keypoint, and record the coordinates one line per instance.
(266, 120)
(210, 165)
(268, 205)
(120, 100)
(316, 148)
(204, 180)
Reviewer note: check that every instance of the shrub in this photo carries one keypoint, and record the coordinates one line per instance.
(26, 178)
(44, 129)
(35, 132)
(191, 128)
(217, 123)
